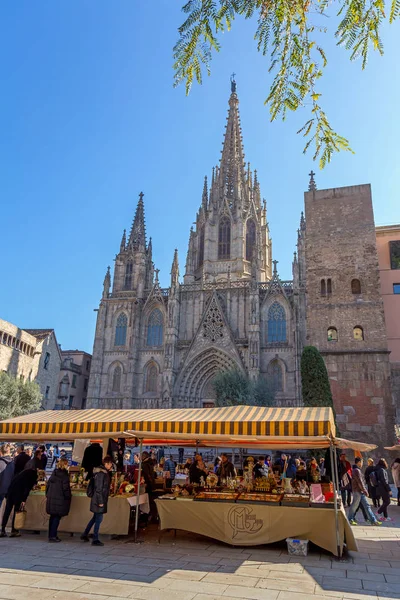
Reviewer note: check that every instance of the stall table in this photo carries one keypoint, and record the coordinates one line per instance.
(253, 524)
(116, 520)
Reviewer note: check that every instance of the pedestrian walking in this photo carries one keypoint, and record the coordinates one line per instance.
(98, 492)
(396, 477)
(345, 479)
(360, 493)
(383, 488)
(58, 498)
(17, 495)
(7, 468)
(169, 472)
(371, 488)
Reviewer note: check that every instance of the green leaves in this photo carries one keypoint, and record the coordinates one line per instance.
(234, 388)
(18, 398)
(286, 31)
(316, 389)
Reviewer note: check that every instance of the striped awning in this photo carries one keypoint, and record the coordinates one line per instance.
(238, 423)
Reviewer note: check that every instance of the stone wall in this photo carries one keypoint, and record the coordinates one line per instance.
(341, 247)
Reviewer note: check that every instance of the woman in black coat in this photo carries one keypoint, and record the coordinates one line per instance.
(98, 492)
(383, 488)
(58, 497)
(17, 495)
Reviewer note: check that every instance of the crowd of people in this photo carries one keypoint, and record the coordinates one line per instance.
(356, 487)
(19, 473)
(21, 466)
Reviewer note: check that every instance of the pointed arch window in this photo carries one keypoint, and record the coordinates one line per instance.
(276, 323)
(355, 286)
(128, 276)
(201, 246)
(155, 328)
(224, 238)
(120, 330)
(275, 376)
(250, 239)
(151, 378)
(116, 379)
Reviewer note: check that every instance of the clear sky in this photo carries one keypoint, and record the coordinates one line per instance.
(89, 118)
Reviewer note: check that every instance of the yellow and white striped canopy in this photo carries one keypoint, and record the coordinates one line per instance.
(235, 424)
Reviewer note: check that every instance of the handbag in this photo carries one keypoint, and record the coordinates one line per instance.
(20, 519)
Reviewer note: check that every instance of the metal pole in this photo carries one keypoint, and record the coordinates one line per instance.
(138, 489)
(335, 492)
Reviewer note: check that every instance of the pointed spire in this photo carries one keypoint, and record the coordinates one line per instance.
(137, 236)
(204, 201)
(275, 262)
(175, 270)
(312, 186)
(123, 242)
(302, 222)
(295, 257)
(232, 164)
(107, 283)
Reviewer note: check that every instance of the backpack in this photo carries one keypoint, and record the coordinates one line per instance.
(90, 488)
(373, 479)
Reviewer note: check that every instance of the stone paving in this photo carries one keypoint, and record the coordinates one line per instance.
(192, 567)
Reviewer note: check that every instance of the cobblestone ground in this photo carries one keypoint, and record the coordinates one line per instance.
(191, 567)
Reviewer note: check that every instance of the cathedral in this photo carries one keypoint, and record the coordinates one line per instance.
(162, 347)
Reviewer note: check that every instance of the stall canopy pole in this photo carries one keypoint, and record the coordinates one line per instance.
(335, 492)
(138, 490)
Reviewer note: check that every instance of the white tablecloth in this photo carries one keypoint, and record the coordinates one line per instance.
(144, 504)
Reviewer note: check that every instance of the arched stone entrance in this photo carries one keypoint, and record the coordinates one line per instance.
(195, 383)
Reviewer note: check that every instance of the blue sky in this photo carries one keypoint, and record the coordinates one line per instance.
(89, 118)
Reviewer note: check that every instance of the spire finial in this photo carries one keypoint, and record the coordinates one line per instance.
(302, 222)
(312, 185)
(275, 267)
(233, 83)
(137, 236)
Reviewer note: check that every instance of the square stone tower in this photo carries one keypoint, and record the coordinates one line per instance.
(345, 317)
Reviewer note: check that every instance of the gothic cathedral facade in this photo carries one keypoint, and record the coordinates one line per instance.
(162, 347)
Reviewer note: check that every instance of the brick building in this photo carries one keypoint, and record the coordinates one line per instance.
(34, 355)
(159, 347)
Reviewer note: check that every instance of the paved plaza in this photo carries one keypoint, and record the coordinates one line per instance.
(192, 567)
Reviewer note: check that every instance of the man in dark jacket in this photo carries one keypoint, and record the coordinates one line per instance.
(148, 473)
(43, 458)
(17, 495)
(21, 459)
(226, 468)
(92, 458)
(58, 498)
(36, 461)
(260, 469)
(99, 487)
(6, 470)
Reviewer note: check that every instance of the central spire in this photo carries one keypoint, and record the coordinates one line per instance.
(137, 236)
(232, 171)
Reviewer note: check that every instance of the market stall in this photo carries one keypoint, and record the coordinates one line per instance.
(116, 520)
(240, 426)
(254, 523)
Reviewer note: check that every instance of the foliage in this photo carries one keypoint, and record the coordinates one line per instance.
(18, 397)
(263, 394)
(233, 388)
(287, 32)
(314, 379)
